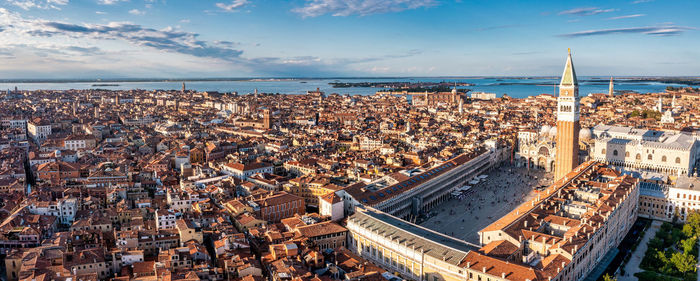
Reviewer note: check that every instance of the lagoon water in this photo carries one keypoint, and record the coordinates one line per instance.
(514, 87)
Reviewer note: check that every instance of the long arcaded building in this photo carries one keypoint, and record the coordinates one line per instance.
(560, 235)
(409, 193)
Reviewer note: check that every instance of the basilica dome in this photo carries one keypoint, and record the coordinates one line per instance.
(585, 134)
(545, 129)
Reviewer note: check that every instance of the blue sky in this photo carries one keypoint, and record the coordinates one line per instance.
(317, 38)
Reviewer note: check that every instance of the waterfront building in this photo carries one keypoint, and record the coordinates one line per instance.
(666, 152)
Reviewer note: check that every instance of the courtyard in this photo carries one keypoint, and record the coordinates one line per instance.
(501, 191)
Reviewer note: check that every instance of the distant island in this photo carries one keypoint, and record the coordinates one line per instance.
(690, 81)
(404, 86)
(105, 85)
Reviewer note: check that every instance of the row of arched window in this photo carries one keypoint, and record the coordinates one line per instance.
(639, 156)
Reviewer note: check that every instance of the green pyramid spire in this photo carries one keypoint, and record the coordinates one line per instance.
(569, 76)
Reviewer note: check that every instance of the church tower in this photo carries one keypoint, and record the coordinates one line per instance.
(567, 121)
(266, 119)
(611, 89)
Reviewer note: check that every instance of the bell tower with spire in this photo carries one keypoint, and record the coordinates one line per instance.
(611, 89)
(568, 105)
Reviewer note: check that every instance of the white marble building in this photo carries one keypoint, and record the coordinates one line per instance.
(671, 153)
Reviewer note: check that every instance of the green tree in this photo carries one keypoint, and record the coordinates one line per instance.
(608, 277)
(693, 220)
(688, 230)
(684, 263)
(688, 244)
(656, 243)
(661, 257)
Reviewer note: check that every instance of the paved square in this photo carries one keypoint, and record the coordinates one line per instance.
(504, 189)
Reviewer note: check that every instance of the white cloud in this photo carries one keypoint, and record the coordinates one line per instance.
(39, 4)
(164, 40)
(588, 11)
(664, 30)
(110, 2)
(380, 69)
(626, 17)
(314, 8)
(137, 12)
(235, 5)
(48, 48)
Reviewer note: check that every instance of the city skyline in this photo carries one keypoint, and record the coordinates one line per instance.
(54, 39)
(343, 179)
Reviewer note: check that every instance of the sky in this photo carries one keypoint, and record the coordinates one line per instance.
(45, 39)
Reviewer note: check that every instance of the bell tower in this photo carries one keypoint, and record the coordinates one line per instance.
(266, 119)
(568, 106)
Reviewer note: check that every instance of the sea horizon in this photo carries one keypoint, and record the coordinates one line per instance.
(273, 78)
(513, 86)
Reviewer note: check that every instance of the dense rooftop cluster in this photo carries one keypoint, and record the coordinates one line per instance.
(186, 185)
